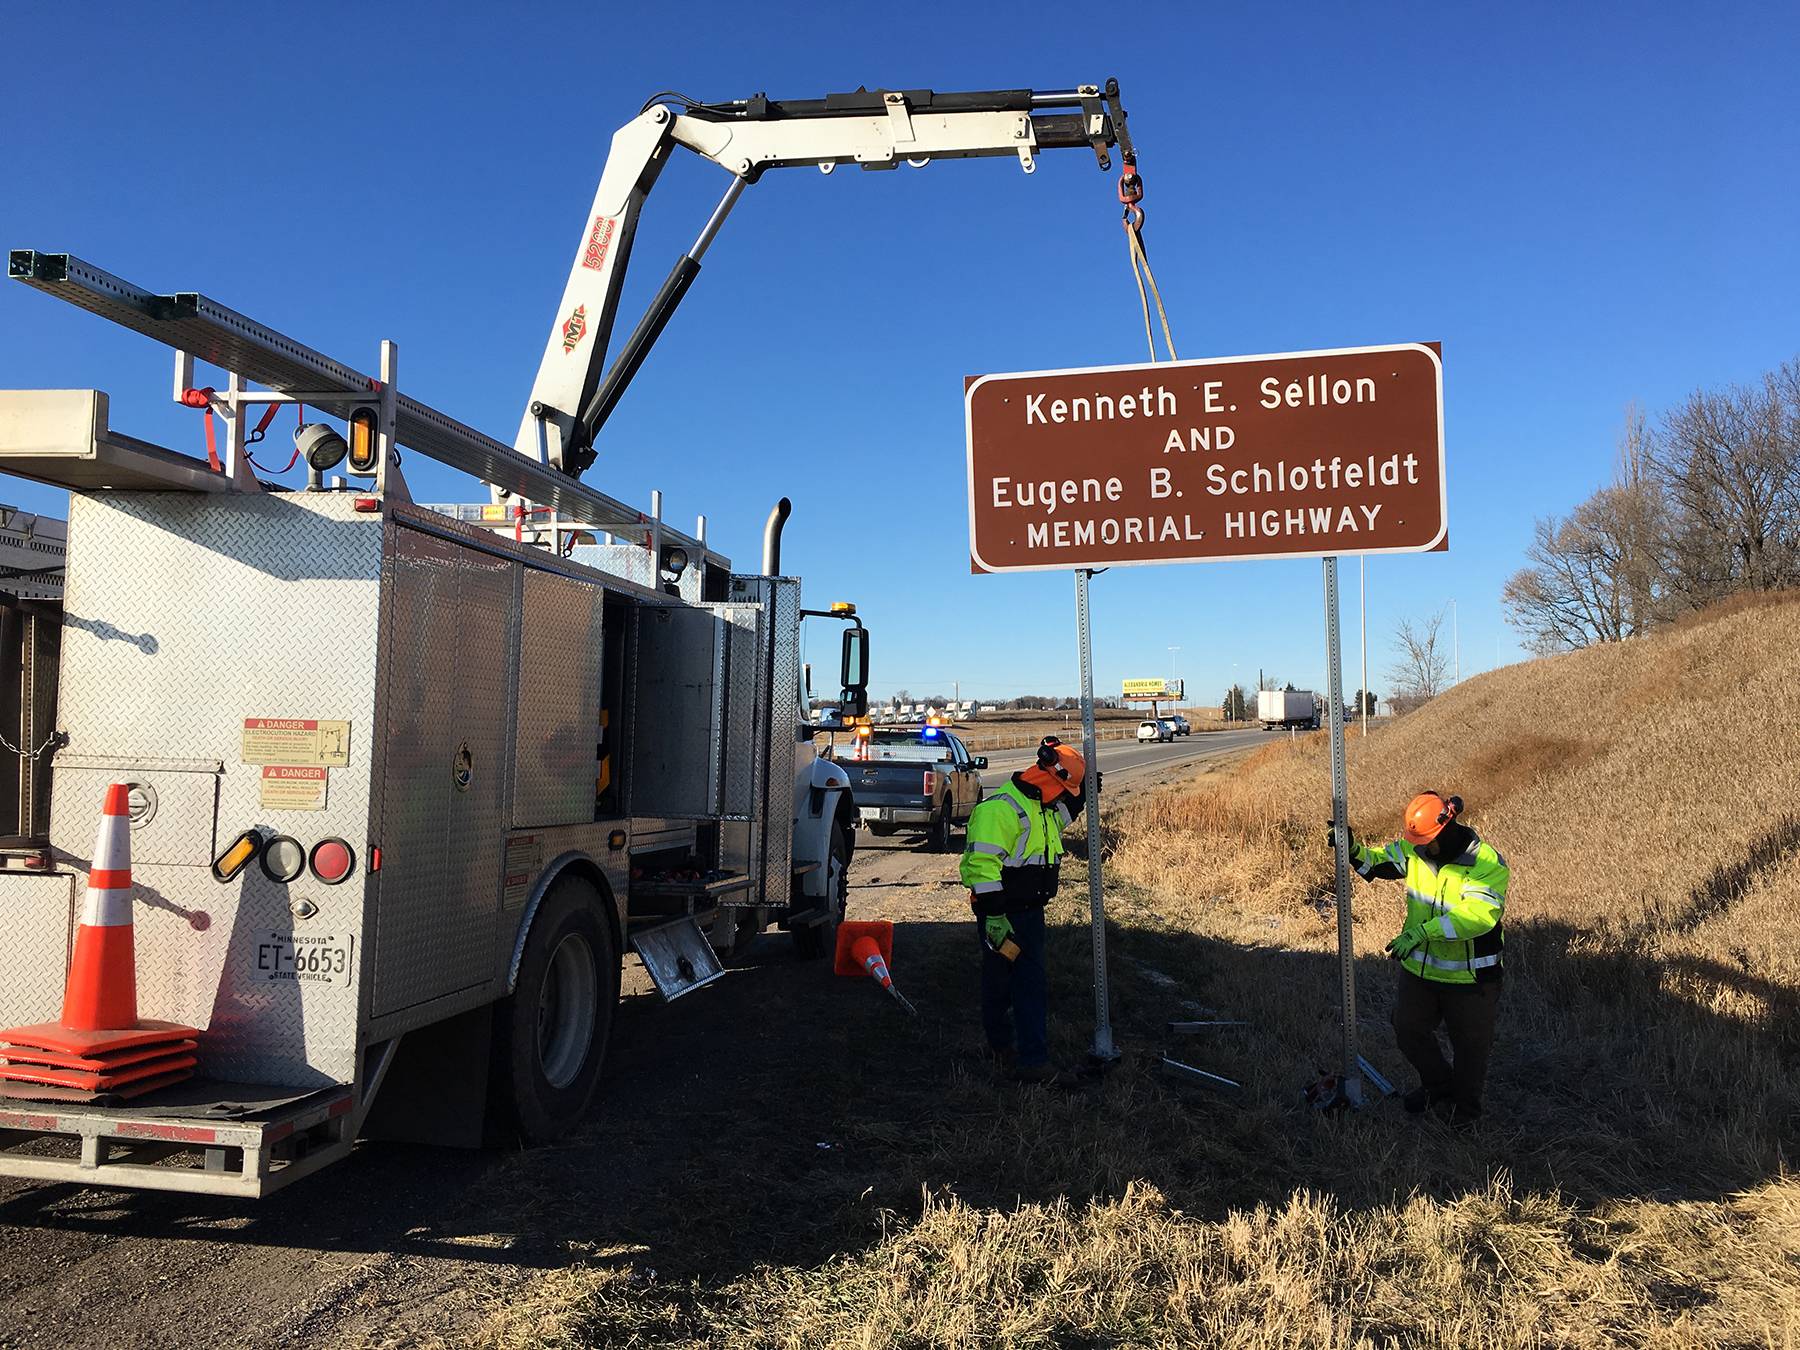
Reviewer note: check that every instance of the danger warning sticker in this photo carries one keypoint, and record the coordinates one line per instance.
(288, 787)
(524, 860)
(295, 740)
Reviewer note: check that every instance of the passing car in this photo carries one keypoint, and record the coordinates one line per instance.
(1180, 723)
(1155, 731)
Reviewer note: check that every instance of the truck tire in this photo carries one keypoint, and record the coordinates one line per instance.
(937, 838)
(820, 939)
(550, 1035)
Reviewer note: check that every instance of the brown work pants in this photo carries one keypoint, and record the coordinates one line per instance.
(1467, 1012)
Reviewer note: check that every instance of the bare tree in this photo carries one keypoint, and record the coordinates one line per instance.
(1417, 674)
(1730, 463)
(1600, 575)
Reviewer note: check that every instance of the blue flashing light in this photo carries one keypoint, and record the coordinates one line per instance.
(930, 731)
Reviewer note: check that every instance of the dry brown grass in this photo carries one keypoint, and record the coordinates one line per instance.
(1630, 1187)
(1489, 1269)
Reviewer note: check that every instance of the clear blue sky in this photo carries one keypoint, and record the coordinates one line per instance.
(1584, 204)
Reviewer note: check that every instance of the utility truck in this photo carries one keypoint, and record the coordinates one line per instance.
(406, 783)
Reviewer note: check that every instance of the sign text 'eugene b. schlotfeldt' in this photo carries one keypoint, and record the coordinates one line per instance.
(1300, 454)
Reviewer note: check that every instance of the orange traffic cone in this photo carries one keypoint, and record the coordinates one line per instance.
(100, 1047)
(865, 948)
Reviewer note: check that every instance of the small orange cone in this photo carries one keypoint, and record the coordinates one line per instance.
(99, 1047)
(865, 947)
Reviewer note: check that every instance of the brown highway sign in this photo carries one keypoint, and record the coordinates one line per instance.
(1294, 455)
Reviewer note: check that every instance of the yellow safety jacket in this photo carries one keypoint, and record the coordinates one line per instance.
(1457, 903)
(1014, 848)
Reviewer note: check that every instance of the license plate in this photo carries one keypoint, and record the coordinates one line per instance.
(300, 958)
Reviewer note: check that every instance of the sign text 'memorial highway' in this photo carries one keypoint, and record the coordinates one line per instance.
(1300, 454)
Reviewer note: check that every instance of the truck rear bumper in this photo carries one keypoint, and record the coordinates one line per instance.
(157, 1148)
(894, 815)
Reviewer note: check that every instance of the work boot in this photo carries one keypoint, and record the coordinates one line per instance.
(1005, 1057)
(1418, 1101)
(1039, 1073)
(1460, 1117)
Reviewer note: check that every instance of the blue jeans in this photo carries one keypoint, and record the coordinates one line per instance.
(1021, 986)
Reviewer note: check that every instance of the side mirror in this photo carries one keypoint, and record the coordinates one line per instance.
(981, 761)
(856, 658)
(855, 672)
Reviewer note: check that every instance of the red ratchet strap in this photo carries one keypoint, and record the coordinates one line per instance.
(202, 398)
(263, 426)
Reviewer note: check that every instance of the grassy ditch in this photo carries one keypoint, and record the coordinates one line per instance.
(1629, 1186)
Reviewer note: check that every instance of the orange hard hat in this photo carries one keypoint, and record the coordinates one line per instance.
(1427, 814)
(1047, 783)
(1073, 765)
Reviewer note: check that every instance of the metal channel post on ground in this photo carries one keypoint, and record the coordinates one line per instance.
(1340, 814)
(1090, 754)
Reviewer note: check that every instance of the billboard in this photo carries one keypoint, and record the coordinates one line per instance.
(1154, 689)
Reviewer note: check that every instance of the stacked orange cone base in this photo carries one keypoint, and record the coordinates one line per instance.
(100, 1049)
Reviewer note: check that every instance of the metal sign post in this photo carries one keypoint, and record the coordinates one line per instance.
(1090, 753)
(1350, 1079)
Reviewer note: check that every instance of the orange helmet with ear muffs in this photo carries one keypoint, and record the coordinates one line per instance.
(1427, 814)
(1058, 769)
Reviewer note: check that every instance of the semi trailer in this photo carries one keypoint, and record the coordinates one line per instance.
(1281, 708)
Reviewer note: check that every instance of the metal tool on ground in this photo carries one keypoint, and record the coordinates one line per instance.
(99, 1048)
(1376, 1081)
(865, 948)
(1195, 1028)
(1187, 1073)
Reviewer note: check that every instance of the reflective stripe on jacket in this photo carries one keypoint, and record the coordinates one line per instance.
(1458, 904)
(1013, 849)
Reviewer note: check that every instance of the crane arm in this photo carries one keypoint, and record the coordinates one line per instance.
(570, 400)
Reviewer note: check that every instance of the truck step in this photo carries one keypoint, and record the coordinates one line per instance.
(678, 957)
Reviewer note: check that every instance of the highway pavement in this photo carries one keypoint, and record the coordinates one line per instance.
(1126, 761)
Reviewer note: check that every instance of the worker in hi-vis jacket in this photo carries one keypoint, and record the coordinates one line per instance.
(1010, 866)
(1450, 950)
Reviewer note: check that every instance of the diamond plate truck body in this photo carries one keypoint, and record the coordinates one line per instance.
(439, 699)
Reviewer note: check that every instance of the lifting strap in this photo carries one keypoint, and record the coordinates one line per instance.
(1131, 192)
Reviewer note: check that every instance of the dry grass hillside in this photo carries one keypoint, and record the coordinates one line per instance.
(1629, 1186)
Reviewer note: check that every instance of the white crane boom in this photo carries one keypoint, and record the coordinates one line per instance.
(876, 129)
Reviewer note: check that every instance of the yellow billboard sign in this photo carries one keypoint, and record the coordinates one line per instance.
(1153, 689)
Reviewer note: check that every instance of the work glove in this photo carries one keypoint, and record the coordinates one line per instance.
(997, 932)
(1099, 778)
(1331, 836)
(1406, 944)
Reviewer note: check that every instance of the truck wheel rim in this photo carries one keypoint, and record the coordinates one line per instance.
(566, 1011)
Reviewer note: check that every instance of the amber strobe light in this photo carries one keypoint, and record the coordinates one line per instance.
(237, 856)
(364, 446)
